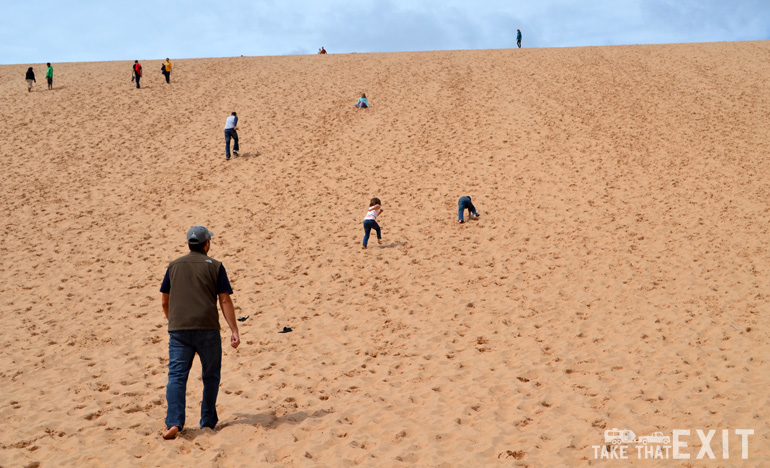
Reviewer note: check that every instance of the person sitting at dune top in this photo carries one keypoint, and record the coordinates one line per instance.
(362, 102)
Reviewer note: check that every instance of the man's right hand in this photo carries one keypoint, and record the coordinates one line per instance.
(235, 340)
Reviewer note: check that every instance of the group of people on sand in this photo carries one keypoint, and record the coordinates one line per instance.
(231, 125)
(136, 75)
(30, 77)
(375, 209)
(136, 72)
(190, 290)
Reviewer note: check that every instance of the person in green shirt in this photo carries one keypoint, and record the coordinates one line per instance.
(49, 76)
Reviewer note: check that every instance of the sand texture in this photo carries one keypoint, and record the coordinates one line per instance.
(618, 275)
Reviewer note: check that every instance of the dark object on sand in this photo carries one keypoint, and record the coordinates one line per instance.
(285, 330)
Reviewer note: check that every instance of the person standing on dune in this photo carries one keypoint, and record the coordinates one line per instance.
(137, 72)
(166, 70)
(30, 79)
(190, 290)
(49, 76)
(518, 38)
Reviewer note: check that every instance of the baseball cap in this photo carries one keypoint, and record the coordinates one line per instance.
(198, 235)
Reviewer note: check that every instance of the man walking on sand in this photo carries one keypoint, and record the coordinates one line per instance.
(49, 76)
(137, 72)
(231, 131)
(190, 290)
(518, 38)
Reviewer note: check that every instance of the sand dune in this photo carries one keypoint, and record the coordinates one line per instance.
(617, 277)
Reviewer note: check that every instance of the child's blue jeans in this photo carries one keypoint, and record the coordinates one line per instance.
(370, 224)
(465, 202)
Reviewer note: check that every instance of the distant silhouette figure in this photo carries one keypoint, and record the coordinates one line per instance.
(322, 51)
(49, 76)
(30, 79)
(137, 72)
(166, 70)
(518, 38)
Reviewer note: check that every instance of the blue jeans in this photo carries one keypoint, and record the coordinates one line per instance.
(370, 224)
(230, 133)
(183, 345)
(465, 202)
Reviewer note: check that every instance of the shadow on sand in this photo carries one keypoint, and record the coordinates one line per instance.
(390, 246)
(267, 420)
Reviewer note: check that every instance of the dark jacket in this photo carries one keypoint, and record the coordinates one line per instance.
(31, 75)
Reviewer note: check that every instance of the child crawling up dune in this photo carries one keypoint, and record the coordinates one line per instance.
(370, 221)
(465, 204)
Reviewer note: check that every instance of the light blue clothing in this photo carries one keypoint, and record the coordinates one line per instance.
(362, 102)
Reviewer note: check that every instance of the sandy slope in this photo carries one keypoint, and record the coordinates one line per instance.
(624, 199)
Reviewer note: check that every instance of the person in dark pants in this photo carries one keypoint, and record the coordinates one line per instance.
(518, 38)
(231, 131)
(370, 221)
(462, 205)
(191, 287)
(49, 76)
(166, 70)
(137, 72)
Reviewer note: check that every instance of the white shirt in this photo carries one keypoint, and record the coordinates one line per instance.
(373, 212)
(232, 121)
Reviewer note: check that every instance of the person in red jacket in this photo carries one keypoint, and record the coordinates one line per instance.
(137, 72)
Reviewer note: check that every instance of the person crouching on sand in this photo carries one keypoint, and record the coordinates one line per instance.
(462, 205)
(362, 102)
(370, 221)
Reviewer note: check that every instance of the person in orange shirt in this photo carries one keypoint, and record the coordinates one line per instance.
(166, 70)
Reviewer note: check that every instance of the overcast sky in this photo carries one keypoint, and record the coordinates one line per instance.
(96, 30)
